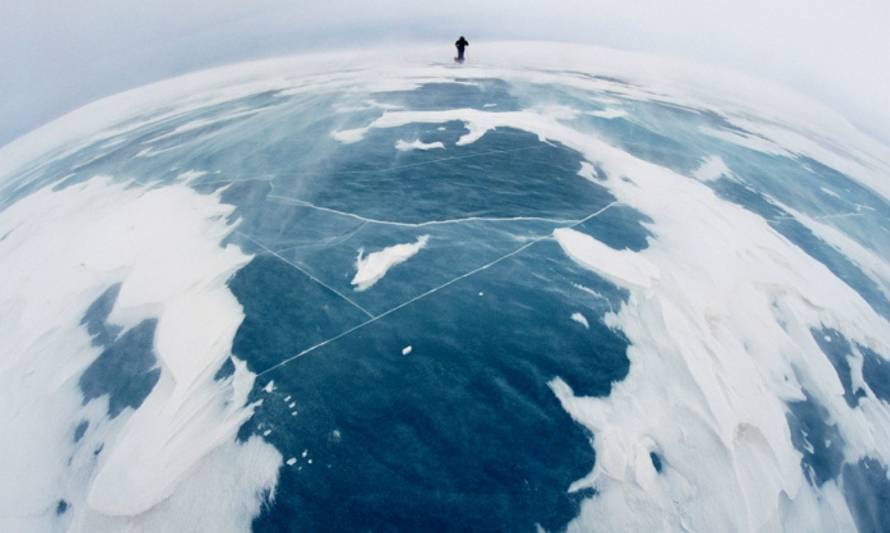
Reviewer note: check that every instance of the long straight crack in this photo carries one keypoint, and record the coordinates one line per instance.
(303, 203)
(423, 295)
(328, 243)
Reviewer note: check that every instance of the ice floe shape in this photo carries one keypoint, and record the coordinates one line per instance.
(371, 268)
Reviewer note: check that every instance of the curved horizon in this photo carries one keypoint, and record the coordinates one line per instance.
(59, 57)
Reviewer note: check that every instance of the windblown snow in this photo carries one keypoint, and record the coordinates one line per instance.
(711, 169)
(171, 460)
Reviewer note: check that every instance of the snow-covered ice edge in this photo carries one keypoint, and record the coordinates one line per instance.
(174, 461)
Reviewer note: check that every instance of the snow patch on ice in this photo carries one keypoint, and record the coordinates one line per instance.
(371, 268)
(417, 144)
(349, 136)
(174, 459)
(623, 267)
(581, 319)
(608, 113)
(713, 168)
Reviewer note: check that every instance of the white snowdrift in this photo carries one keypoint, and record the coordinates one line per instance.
(173, 463)
(623, 267)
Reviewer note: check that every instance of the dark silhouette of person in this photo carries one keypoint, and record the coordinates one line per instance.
(461, 44)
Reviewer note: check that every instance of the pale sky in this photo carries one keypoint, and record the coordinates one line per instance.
(56, 55)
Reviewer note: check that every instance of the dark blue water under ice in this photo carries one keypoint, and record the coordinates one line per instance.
(463, 433)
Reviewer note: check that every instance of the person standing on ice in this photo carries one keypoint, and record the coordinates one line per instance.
(461, 44)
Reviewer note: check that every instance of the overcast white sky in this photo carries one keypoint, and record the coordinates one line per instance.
(56, 55)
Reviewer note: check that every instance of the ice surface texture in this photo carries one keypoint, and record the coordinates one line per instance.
(562, 288)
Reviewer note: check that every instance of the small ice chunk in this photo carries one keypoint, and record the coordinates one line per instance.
(828, 338)
(267, 432)
(291, 405)
(292, 461)
(581, 319)
(270, 387)
(407, 349)
(309, 461)
(304, 454)
(287, 398)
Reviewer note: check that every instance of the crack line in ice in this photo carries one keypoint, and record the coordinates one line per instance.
(423, 295)
(328, 243)
(310, 205)
(307, 273)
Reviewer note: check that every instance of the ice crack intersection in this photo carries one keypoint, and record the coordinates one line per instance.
(307, 273)
(375, 318)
